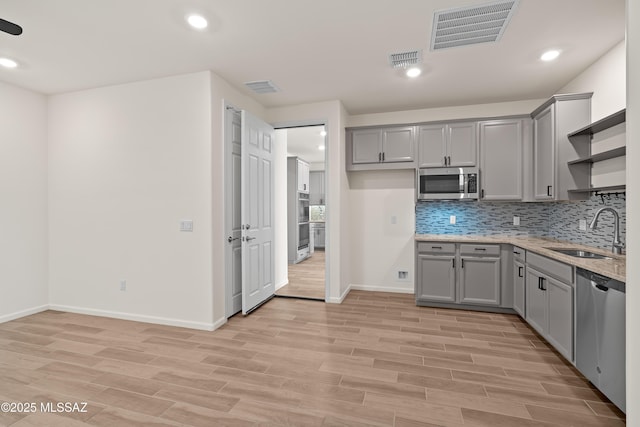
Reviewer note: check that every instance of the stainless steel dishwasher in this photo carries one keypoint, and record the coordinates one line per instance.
(600, 333)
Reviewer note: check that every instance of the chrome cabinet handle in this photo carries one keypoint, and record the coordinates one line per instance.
(520, 272)
(549, 190)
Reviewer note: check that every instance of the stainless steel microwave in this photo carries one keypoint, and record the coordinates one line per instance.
(448, 184)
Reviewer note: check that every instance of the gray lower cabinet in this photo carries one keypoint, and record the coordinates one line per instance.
(480, 280)
(464, 274)
(436, 278)
(549, 308)
(519, 287)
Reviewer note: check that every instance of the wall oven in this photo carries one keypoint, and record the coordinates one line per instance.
(303, 207)
(448, 184)
(303, 235)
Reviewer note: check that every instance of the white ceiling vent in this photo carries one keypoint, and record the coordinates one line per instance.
(405, 59)
(262, 86)
(471, 25)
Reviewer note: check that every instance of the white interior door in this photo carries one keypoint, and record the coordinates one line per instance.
(233, 218)
(257, 212)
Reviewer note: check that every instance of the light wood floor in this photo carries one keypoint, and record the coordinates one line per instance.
(376, 359)
(306, 279)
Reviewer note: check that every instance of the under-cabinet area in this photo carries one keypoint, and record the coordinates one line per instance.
(537, 279)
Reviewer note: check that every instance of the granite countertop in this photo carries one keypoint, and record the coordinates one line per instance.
(614, 268)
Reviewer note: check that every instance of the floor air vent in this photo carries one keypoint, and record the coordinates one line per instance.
(262, 86)
(471, 25)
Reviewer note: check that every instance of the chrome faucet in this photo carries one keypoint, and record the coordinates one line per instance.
(617, 245)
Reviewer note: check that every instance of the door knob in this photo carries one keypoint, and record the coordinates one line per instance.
(231, 239)
(250, 238)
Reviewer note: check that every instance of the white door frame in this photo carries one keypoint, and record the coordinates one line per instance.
(328, 212)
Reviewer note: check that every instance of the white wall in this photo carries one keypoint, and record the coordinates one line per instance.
(447, 113)
(333, 114)
(23, 202)
(126, 164)
(382, 214)
(633, 214)
(606, 79)
(281, 269)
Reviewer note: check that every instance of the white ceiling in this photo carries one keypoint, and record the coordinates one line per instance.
(312, 50)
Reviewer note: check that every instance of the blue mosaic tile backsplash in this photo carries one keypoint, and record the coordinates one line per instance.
(558, 220)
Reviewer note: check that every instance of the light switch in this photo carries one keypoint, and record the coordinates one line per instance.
(516, 220)
(186, 225)
(452, 219)
(582, 224)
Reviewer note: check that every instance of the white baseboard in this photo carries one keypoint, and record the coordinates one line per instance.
(395, 289)
(285, 283)
(341, 297)
(23, 313)
(139, 317)
(219, 323)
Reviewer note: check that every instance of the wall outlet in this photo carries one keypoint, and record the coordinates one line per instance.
(582, 225)
(123, 285)
(403, 275)
(186, 225)
(516, 220)
(452, 219)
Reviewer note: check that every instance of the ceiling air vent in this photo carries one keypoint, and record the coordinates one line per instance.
(262, 86)
(471, 25)
(405, 59)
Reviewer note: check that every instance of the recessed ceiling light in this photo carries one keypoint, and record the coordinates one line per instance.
(197, 21)
(550, 55)
(320, 147)
(414, 72)
(323, 133)
(8, 63)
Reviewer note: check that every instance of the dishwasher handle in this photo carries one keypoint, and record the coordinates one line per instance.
(600, 287)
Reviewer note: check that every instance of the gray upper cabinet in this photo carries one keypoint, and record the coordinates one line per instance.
(501, 155)
(381, 148)
(552, 122)
(442, 145)
(316, 188)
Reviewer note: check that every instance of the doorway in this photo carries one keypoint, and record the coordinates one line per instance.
(303, 228)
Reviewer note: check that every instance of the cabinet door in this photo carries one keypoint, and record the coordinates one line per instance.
(432, 143)
(366, 146)
(519, 288)
(536, 302)
(398, 144)
(544, 154)
(501, 160)
(560, 326)
(480, 280)
(303, 176)
(462, 144)
(436, 278)
(320, 236)
(316, 188)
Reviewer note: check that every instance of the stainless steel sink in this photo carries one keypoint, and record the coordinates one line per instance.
(579, 253)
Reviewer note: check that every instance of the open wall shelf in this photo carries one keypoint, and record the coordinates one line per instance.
(603, 124)
(605, 155)
(608, 189)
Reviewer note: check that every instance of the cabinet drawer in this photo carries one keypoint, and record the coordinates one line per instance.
(519, 254)
(480, 250)
(557, 269)
(436, 248)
